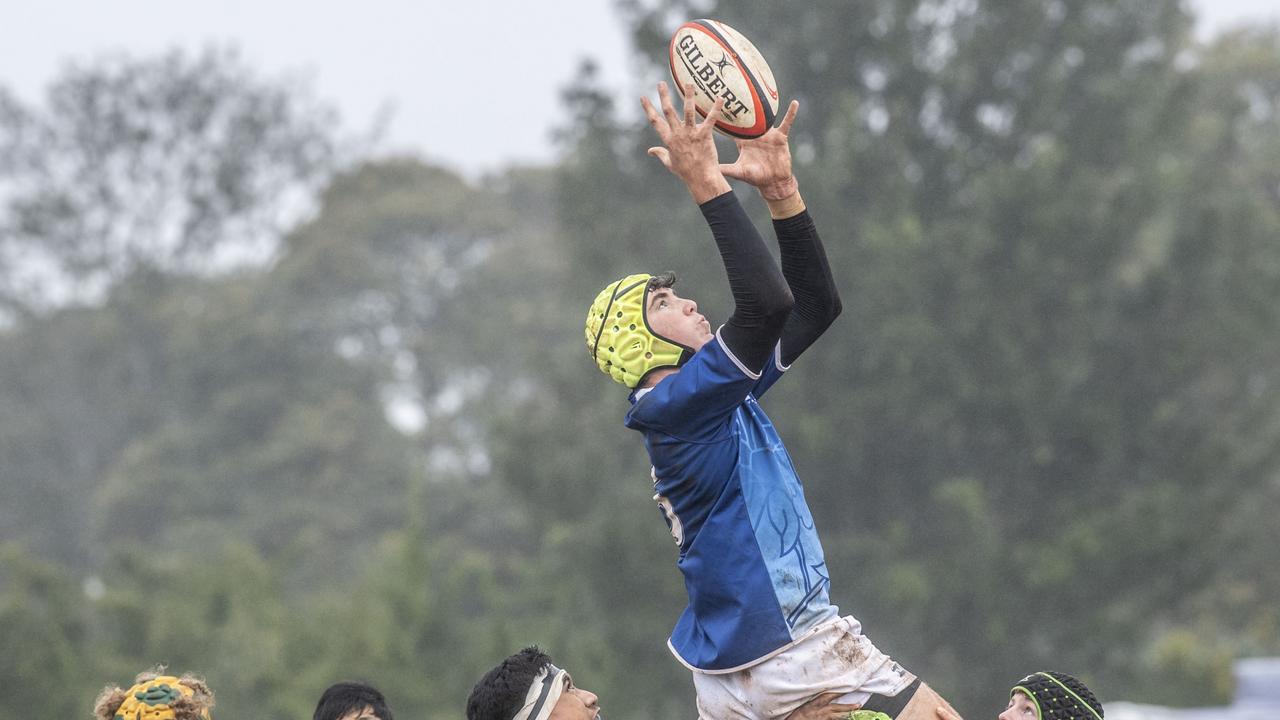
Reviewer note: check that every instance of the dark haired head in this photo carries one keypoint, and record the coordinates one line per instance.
(342, 699)
(662, 280)
(499, 695)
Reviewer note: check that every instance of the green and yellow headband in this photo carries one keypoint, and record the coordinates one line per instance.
(162, 697)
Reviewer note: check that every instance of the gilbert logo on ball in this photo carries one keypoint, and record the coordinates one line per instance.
(720, 62)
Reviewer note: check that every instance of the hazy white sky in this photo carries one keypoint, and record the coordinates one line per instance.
(473, 85)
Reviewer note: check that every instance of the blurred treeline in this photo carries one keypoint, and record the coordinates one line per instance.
(282, 412)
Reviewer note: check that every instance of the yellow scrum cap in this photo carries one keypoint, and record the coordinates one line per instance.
(619, 337)
(161, 698)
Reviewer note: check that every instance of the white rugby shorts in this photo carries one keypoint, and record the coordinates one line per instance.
(834, 657)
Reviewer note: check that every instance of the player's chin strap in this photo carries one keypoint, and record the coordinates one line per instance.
(543, 694)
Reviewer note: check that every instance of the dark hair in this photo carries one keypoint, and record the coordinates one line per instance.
(662, 280)
(345, 697)
(499, 695)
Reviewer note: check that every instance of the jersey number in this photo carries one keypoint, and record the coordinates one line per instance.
(673, 522)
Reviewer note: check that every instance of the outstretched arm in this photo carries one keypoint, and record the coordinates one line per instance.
(762, 301)
(766, 163)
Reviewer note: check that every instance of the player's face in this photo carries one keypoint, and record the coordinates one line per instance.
(575, 704)
(1020, 708)
(677, 318)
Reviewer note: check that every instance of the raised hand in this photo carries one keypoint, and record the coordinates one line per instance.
(688, 148)
(765, 162)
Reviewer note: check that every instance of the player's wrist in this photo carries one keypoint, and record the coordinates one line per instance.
(780, 189)
(707, 187)
(785, 207)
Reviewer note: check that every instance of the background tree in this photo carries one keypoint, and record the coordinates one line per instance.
(1042, 434)
(1033, 329)
(173, 162)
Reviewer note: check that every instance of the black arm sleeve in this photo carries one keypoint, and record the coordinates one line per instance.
(761, 298)
(804, 264)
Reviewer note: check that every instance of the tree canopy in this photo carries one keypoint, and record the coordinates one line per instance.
(1043, 434)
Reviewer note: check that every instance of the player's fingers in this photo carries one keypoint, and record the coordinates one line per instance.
(790, 117)
(716, 109)
(732, 170)
(690, 117)
(946, 713)
(655, 119)
(662, 154)
(649, 112)
(822, 708)
(668, 111)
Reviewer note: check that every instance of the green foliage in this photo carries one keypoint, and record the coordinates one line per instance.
(177, 162)
(1042, 435)
(43, 628)
(1188, 667)
(1042, 300)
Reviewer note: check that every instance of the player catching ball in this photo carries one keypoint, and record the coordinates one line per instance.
(760, 632)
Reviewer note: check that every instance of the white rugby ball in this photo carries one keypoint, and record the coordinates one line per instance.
(721, 62)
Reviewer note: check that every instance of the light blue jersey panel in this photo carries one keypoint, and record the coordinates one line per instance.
(752, 563)
(781, 521)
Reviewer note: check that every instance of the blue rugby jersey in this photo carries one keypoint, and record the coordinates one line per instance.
(752, 563)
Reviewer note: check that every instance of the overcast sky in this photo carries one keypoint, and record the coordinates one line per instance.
(437, 66)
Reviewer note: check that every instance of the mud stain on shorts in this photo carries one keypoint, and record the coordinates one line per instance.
(850, 651)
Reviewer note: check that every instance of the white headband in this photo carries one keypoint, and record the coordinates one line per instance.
(544, 692)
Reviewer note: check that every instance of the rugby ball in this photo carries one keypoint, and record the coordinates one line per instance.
(720, 62)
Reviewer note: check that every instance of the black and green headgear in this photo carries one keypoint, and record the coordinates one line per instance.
(1058, 696)
(618, 335)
